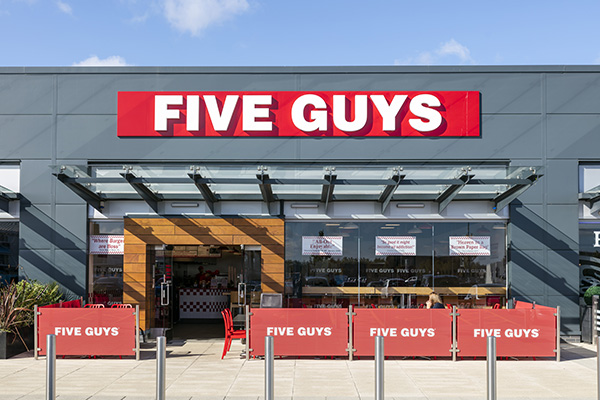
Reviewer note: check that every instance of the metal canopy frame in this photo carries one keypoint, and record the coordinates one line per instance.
(139, 184)
(452, 191)
(6, 196)
(505, 198)
(592, 196)
(274, 184)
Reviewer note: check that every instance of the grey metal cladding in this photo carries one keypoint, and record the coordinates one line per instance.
(527, 273)
(562, 276)
(573, 93)
(527, 227)
(25, 136)
(36, 181)
(573, 136)
(26, 94)
(71, 228)
(562, 181)
(563, 227)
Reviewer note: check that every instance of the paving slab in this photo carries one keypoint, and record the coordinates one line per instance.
(195, 371)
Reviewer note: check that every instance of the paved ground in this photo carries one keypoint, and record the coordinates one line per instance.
(195, 371)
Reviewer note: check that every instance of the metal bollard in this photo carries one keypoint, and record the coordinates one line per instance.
(50, 367)
(161, 364)
(379, 358)
(269, 369)
(491, 368)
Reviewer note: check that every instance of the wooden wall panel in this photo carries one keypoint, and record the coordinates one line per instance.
(141, 232)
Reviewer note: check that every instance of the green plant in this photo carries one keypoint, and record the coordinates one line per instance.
(17, 301)
(591, 291)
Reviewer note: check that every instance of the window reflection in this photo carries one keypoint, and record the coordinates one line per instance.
(106, 270)
(397, 264)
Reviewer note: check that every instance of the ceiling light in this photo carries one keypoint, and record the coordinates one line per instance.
(180, 204)
(410, 205)
(304, 205)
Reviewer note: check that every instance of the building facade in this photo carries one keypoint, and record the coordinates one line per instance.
(329, 186)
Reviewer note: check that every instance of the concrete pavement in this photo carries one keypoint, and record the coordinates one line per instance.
(196, 372)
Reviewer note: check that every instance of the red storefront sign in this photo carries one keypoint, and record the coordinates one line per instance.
(301, 114)
(88, 331)
(518, 332)
(406, 332)
(300, 332)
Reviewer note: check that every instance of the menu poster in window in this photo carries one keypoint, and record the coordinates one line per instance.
(322, 245)
(395, 246)
(469, 245)
(107, 244)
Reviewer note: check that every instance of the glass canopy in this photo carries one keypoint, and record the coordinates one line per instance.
(214, 182)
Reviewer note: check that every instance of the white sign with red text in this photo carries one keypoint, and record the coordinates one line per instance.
(469, 246)
(107, 244)
(322, 245)
(395, 246)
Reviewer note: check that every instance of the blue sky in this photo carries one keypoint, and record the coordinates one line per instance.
(297, 33)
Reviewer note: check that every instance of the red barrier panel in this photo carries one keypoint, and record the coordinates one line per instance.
(300, 331)
(407, 332)
(519, 332)
(523, 305)
(88, 331)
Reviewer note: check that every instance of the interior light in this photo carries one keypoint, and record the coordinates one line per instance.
(392, 224)
(180, 204)
(410, 205)
(304, 205)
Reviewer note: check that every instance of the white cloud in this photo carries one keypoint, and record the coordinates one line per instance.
(453, 48)
(94, 61)
(450, 52)
(194, 16)
(64, 7)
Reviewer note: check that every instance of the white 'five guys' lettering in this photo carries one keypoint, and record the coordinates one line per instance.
(255, 112)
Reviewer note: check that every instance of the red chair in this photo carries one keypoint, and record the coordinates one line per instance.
(94, 306)
(121, 306)
(230, 333)
(496, 306)
(449, 306)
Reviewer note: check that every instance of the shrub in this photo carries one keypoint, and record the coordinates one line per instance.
(18, 299)
(591, 291)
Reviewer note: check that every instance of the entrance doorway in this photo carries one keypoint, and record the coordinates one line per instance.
(192, 284)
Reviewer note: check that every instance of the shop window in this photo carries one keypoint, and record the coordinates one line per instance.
(394, 264)
(589, 255)
(105, 284)
(9, 252)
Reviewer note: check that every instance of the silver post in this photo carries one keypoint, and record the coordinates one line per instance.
(247, 329)
(454, 330)
(35, 332)
(137, 332)
(558, 333)
(269, 367)
(491, 368)
(379, 357)
(161, 364)
(50, 367)
(594, 324)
